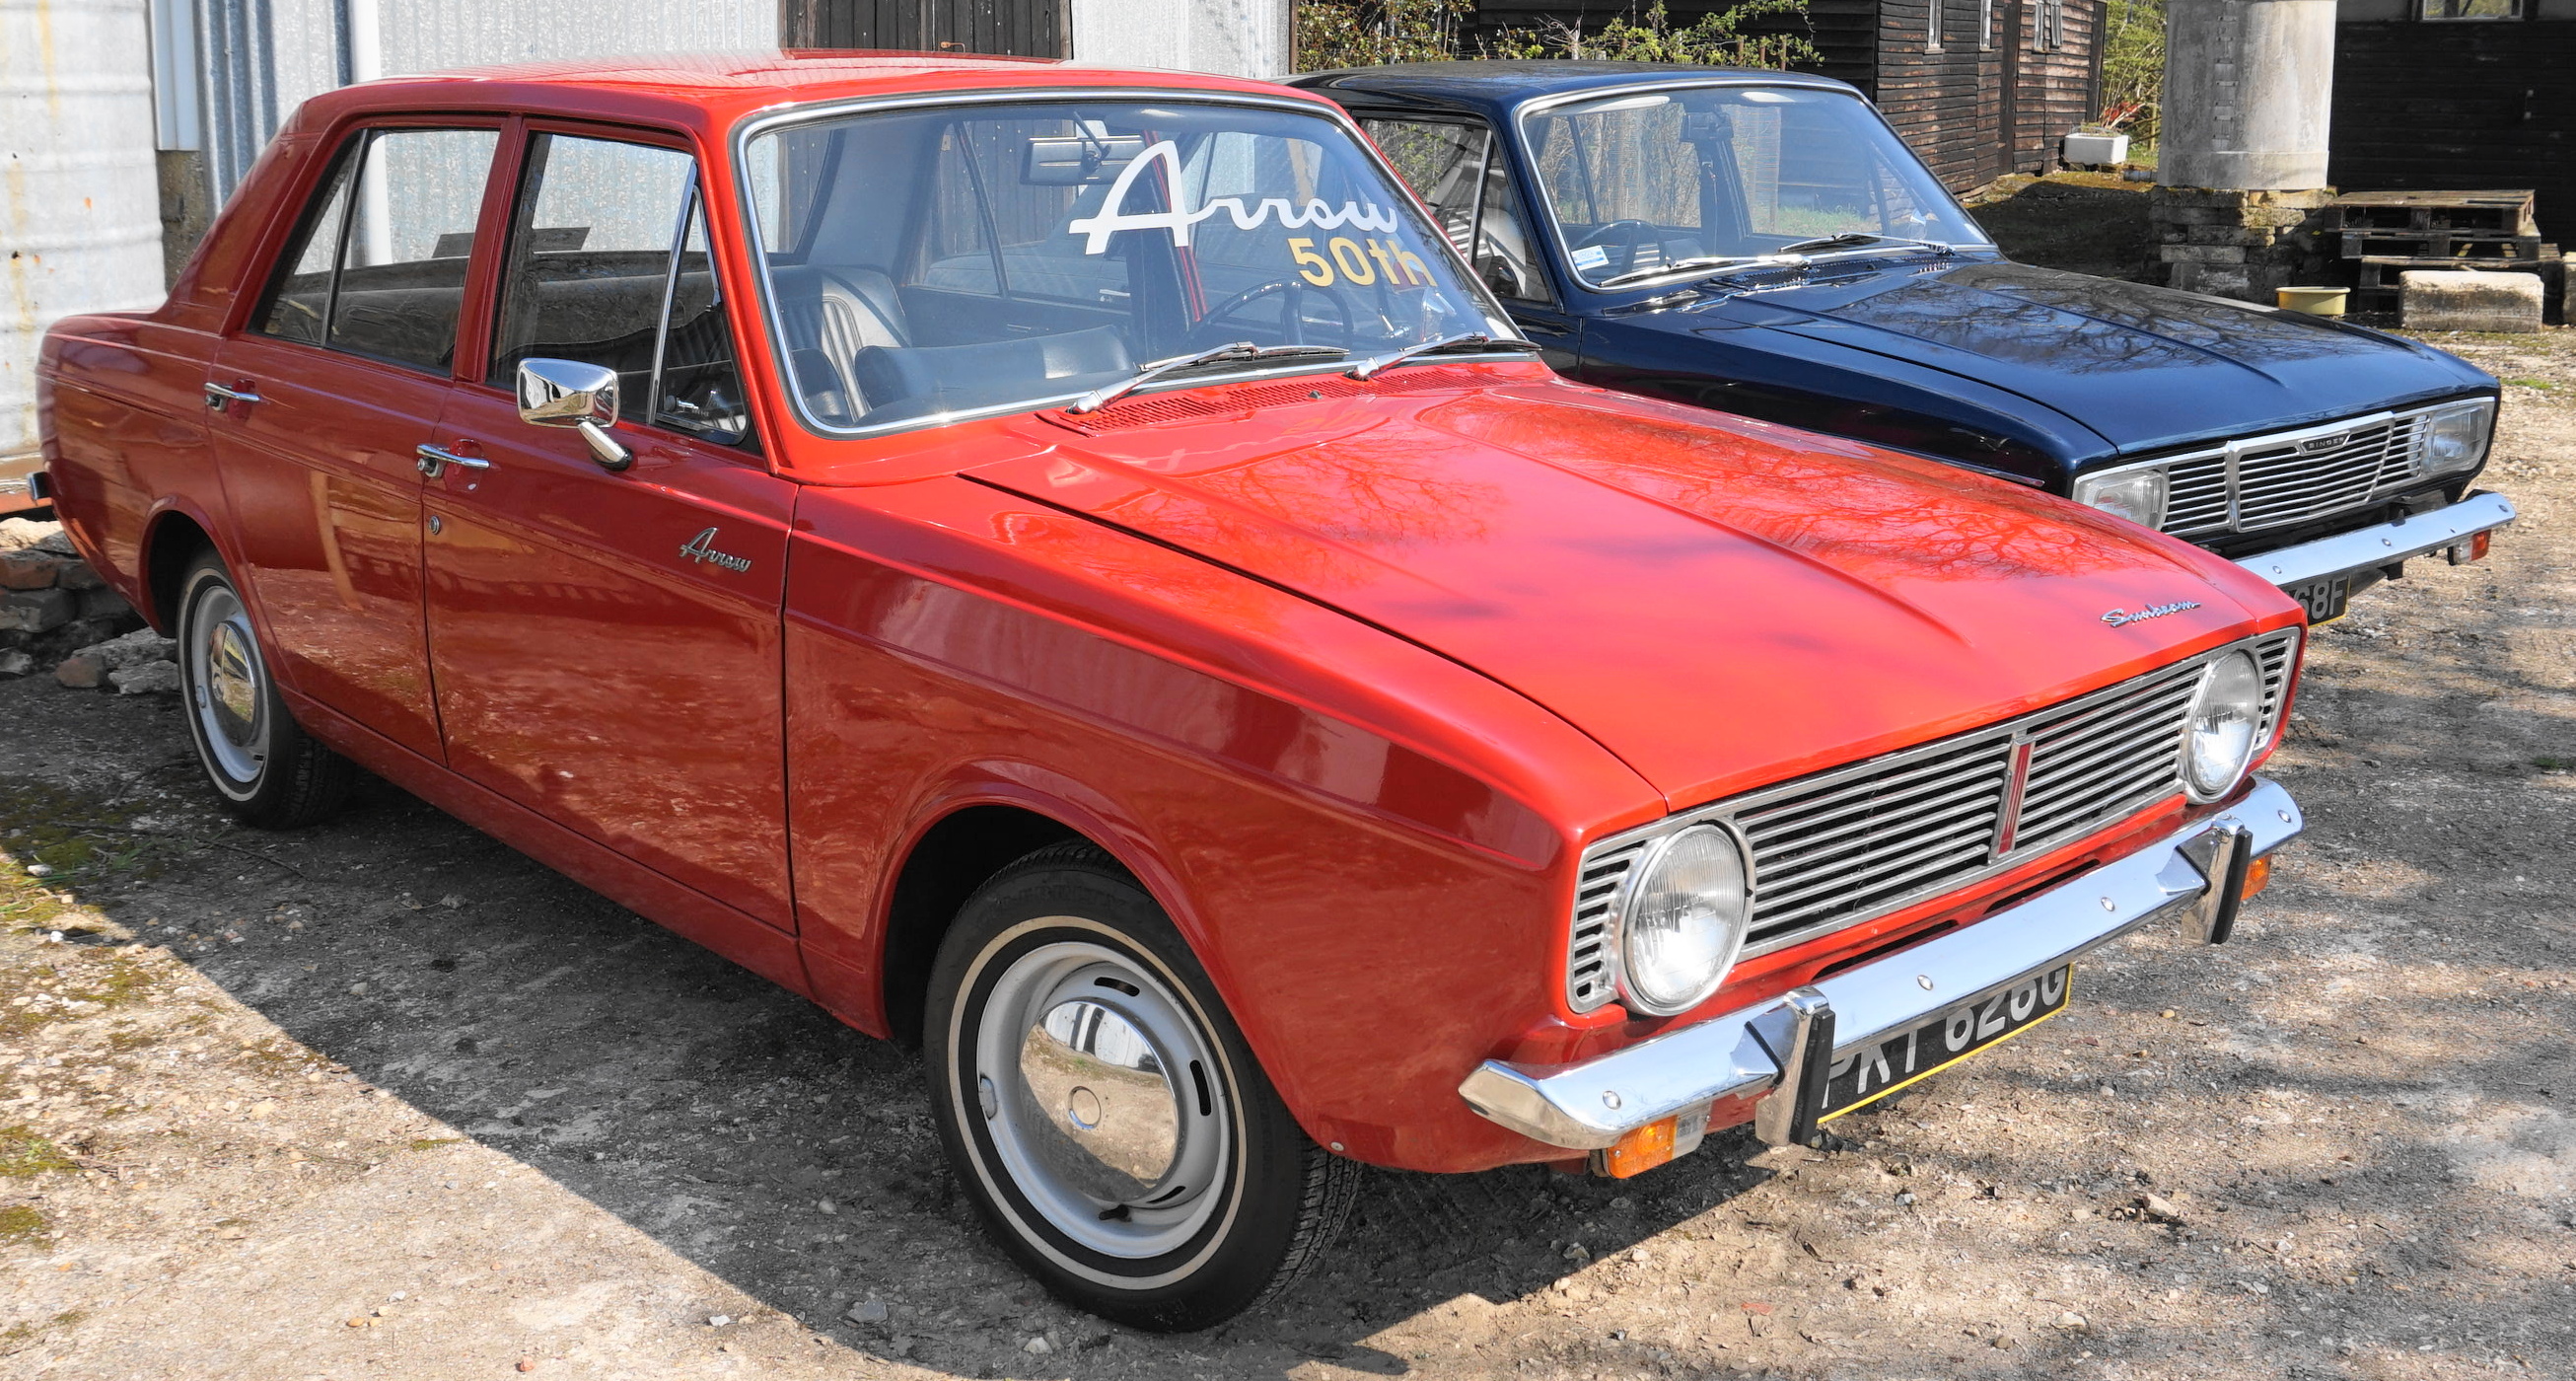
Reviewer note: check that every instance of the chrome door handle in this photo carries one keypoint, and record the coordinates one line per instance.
(217, 396)
(434, 459)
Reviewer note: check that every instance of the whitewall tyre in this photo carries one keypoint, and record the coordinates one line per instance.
(1104, 1114)
(268, 771)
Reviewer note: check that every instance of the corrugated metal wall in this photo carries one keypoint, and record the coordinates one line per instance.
(80, 217)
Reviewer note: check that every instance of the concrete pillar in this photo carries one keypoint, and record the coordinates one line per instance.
(2241, 157)
(2248, 88)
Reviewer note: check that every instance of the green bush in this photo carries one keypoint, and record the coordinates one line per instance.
(1370, 33)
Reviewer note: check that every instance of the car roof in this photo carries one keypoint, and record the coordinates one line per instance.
(708, 92)
(1494, 89)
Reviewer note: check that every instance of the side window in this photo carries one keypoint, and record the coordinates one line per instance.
(1459, 171)
(378, 268)
(608, 265)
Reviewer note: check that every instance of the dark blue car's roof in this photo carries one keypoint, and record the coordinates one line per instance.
(1494, 88)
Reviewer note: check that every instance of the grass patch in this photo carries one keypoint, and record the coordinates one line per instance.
(432, 1143)
(87, 982)
(2531, 383)
(2554, 764)
(25, 1155)
(20, 1224)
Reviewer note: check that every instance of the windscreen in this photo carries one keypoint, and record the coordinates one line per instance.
(976, 258)
(1641, 180)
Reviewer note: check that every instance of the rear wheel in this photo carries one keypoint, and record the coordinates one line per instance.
(269, 772)
(1105, 1115)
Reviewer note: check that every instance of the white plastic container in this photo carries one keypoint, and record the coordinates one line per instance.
(2096, 148)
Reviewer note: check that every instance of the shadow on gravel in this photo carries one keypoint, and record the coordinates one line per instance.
(749, 1132)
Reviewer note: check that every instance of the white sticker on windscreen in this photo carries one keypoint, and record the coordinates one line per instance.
(1591, 257)
(1114, 217)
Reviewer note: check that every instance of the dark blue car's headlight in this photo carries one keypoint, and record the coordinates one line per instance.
(2455, 439)
(2137, 495)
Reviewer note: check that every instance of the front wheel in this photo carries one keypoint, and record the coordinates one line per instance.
(1104, 1114)
(269, 772)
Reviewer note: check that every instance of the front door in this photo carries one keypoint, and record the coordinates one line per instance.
(605, 642)
(319, 403)
(1461, 171)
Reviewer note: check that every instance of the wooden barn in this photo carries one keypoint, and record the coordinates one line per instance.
(1979, 88)
(2454, 94)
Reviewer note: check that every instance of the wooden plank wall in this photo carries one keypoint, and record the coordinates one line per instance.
(2059, 90)
(1947, 105)
(1015, 28)
(2458, 107)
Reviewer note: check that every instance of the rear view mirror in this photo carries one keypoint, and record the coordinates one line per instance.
(1074, 160)
(569, 393)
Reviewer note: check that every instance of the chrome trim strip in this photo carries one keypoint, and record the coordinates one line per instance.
(756, 125)
(2383, 543)
(1590, 1105)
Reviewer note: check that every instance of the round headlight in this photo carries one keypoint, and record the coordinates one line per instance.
(2226, 718)
(2137, 495)
(2455, 440)
(1684, 922)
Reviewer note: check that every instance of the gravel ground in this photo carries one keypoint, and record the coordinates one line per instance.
(384, 1099)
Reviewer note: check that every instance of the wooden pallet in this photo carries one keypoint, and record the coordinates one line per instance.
(2490, 214)
(2439, 244)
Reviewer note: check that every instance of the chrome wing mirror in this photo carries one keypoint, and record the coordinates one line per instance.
(569, 393)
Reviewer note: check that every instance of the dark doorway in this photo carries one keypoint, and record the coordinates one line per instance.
(1010, 28)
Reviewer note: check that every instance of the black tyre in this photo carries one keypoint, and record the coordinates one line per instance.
(269, 772)
(1103, 1112)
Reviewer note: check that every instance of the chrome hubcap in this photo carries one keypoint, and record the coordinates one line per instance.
(226, 685)
(1102, 1099)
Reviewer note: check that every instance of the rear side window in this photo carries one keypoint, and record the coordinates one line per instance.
(378, 267)
(608, 265)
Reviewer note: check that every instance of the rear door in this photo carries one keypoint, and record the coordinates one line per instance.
(320, 401)
(605, 643)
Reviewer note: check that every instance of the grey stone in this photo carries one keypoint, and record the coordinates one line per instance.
(141, 645)
(102, 604)
(77, 575)
(15, 663)
(2204, 254)
(147, 678)
(25, 532)
(26, 568)
(868, 1311)
(34, 611)
(2469, 300)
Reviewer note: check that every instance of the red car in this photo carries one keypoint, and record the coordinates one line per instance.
(1070, 568)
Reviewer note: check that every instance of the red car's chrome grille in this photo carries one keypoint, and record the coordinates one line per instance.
(2291, 477)
(1847, 845)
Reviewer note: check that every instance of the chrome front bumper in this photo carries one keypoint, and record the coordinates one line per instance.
(2383, 544)
(1784, 1045)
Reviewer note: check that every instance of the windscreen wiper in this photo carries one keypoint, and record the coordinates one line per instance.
(1476, 340)
(1703, 261)
(1855, 239)
(1151, 370)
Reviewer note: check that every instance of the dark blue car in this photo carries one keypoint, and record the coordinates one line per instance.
(1763, 243)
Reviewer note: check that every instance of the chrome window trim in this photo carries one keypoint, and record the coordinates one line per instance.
(2231, 453)
(1538, 105)
(1728, 811)
(774, 328)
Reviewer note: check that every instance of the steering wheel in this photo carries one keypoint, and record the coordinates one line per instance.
(1636, 234)
(1292, 312)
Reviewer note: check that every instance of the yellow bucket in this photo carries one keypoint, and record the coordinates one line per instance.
(2314, 301)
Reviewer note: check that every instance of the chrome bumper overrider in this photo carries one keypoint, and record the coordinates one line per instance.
(2197, 873)
(2383, 544)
